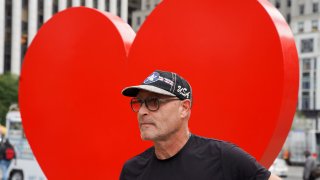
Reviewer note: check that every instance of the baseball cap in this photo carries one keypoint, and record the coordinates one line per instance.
(162, 82)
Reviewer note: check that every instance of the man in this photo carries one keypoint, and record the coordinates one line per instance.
(6, 155)
(309, 166)
(163, 106)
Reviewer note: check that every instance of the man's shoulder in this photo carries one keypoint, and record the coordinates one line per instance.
(141, 158)
(201, 141)
(134, 166)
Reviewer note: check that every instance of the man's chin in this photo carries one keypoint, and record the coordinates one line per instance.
(147, 137)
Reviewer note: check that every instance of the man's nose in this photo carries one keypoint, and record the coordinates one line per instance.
(143, 109)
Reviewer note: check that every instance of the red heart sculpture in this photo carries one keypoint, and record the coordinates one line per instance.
(239, 57)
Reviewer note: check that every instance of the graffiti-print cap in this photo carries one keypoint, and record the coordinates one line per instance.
(162, 82)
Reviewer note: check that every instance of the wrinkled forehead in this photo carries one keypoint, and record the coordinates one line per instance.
(144, 94)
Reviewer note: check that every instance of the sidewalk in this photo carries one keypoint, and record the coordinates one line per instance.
(295, 173)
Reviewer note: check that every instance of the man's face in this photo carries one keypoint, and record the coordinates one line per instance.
(159, 125)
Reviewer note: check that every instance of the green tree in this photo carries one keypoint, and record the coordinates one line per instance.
(8, 93)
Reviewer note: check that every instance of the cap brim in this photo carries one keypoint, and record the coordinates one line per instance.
(132, 91)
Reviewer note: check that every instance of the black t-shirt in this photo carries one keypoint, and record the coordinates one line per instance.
(200, 159)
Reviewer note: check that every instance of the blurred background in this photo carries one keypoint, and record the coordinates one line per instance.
(21, 19)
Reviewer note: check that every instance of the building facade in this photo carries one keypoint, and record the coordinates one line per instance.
(21, 19)
(303, 17)
(139, 16)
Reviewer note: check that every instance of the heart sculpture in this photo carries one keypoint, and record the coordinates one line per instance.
(239, 57)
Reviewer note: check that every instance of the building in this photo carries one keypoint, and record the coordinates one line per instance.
(139, 16)
(21, 19)
(303, 17)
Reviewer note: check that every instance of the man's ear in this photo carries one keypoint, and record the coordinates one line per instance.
(185, 108)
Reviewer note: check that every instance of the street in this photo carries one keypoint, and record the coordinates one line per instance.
(295, 173)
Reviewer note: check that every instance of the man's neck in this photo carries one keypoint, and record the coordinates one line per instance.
(171, 146)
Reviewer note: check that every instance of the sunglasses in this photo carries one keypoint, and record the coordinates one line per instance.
(152, 103)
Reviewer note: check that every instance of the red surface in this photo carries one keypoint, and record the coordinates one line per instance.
(74, 116)
(239, 57)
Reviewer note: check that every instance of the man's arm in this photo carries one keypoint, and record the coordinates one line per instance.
(240, 164)
(274, 177)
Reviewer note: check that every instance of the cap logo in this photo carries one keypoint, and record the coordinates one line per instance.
(183, 91)
(152, 78)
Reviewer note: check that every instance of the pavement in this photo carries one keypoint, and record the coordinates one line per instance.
(295, 173)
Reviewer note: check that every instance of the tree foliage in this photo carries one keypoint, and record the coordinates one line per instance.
(8, 93)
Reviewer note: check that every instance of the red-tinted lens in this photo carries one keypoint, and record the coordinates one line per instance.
(136, 104)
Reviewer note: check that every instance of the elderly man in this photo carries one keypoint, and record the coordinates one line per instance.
(163, 106)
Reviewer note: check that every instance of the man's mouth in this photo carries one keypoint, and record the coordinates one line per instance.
(147, 124)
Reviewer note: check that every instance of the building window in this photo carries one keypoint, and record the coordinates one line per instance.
(306, 81)
(82, 2)
(306, 76)
(288, 18)
(306, 66)
(306, 94)
(301, 9)
(24, 39)
(95, 4)
(7, 36)
(138, 21)
(148, 6)
(69, 3)
(306, 85)
(108, 7)
(300, 27)
(315, 7)
(55, 8)
(40, 13)
(305, 100)
(289, 3)
(278, 4)
(314, 24)
(306, 45)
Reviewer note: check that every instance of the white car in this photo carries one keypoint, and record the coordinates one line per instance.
(279, 168)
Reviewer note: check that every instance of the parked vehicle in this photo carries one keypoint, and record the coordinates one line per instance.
(279, 168)
(25, 166)
(298, 142)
